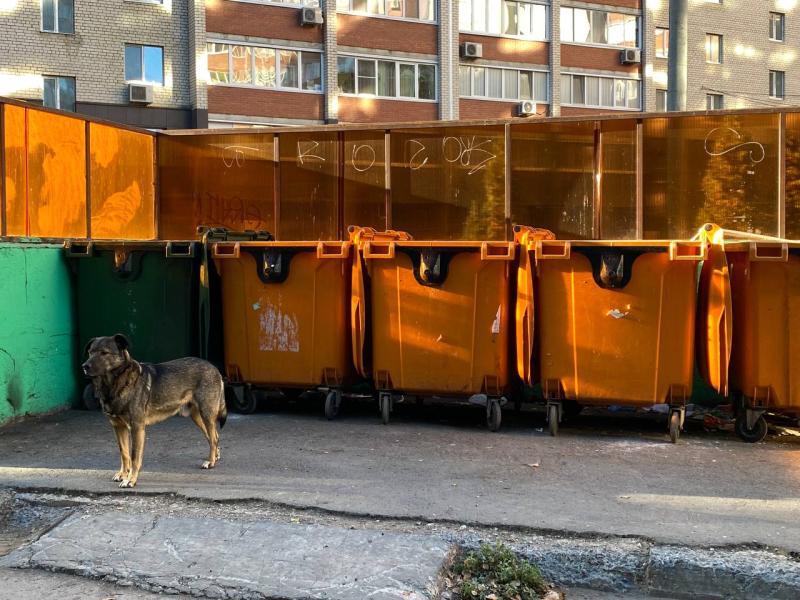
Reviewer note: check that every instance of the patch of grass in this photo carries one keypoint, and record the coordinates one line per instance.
(496, 573)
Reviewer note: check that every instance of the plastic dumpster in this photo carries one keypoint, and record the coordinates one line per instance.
(433, 318)
(148, 291)
(615, 322)
(765, 281)
(285, 321)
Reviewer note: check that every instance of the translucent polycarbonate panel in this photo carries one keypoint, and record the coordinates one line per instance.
(552, 177)
(618, 180)
(793, 176)
(215, 181)
(365, 179)
(449, 183)
(710, 168)
(309, 190)
(122, 183)
(15, 183)
(56, 175)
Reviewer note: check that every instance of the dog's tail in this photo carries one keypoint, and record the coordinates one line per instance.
(222, 416)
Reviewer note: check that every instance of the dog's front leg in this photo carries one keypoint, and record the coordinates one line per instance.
(123, 440)
(137, 435)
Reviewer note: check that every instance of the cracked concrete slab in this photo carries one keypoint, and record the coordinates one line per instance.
(221, 559)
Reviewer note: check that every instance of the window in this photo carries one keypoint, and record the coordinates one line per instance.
(662, 42)
(59, 92)
(506, 84)
(607, 92)
(713, 48)
(777, 84)
(777, 27)
(386, 78)
(403, 9)
(58, 16)
(264, 67)
(144, 63)
(599, 27)
(504, 17)
(714, 102)
(661, 100)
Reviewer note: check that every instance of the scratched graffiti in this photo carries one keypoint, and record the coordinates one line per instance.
(363, 157)
(278, 331)
(724, 140)
(307, 152)
(470, 152)
(236, 155)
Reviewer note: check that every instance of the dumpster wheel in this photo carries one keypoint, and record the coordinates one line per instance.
(494, 414)
(674, 426)
(385, 403)
(333, 401)
(751, 435)
(552, 418)
(244, 400)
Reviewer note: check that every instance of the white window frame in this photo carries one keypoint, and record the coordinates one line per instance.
(665, 36)
(365, 13)
(712, 98)
(503, 97)
(277, 49)
(57, 78)
(604, 106)
(772, 28)
(287, 3)
(659, 108)
(773, 87)
(143, 81)
(720, 49)
(56, 30)
(638, 18)
(397, 63)
(547, 34)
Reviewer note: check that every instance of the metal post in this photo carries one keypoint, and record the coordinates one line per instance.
(678, 51)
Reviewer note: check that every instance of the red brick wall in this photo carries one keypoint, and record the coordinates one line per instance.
(386, 34)
(591, 57)
(374, 110)
(573, 111)
(508, 49)
(244, 18)
(264, 103)
(471, 108)
(624, 3)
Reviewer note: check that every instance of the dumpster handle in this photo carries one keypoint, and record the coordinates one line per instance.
(767, 252)
(378, 249)
(688, 250)
(357, 315)
(524, 315)
(717, 326)
(179, 250)
(557, 249)
(498, 250)
(333, 249)
(75, 249)
(225, 250)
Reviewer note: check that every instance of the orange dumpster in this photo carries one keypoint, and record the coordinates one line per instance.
(285, 321)
(615, 321)
(432, 318)
(765, 282)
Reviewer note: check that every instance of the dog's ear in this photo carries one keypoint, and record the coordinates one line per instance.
(122, 342)
(88, 345)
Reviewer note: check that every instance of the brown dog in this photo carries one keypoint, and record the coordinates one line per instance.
(134, 395)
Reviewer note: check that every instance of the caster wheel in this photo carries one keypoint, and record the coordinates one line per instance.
(756, 434)
(245, 401)
(89, 400)
(386, 407)
(494, 415)
(332, 402)
(674, 426)
(552, 419)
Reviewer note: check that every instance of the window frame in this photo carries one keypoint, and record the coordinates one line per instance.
(143, 80)
(434, 20)
(615, 80)
(720, 49)
(712, 98)
(58, 79)
(659, 91)
(397, 62)
(503, 97)
(773, 87)
(664, 31)
(56, 31)
(473, 31)
(277, 50)
(772, 28)
(637, 17)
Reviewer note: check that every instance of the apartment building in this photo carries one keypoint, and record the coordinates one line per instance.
(130, 61)
(225, 63)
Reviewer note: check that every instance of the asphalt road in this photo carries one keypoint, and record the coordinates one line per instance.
(613, 476)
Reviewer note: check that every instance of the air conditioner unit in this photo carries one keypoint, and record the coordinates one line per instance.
(140, 93)
(526, 108)
(471, 50)
(310, 16)
(630, 57)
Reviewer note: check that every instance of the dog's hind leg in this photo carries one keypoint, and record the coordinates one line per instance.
(137, 435)
(213, 442)
(124, 442)
(201, 424)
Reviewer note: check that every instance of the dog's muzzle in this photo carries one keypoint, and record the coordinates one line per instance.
(85, 368)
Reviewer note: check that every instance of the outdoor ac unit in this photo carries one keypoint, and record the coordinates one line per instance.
(526, 108)
(630, 57)
(140, 93)
(471, 50)
(310, 16)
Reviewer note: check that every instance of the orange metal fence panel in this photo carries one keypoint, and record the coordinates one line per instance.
(16, 180)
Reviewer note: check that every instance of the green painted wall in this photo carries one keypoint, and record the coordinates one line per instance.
(38, 359)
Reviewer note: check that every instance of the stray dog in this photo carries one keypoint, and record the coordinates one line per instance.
(134, 395)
